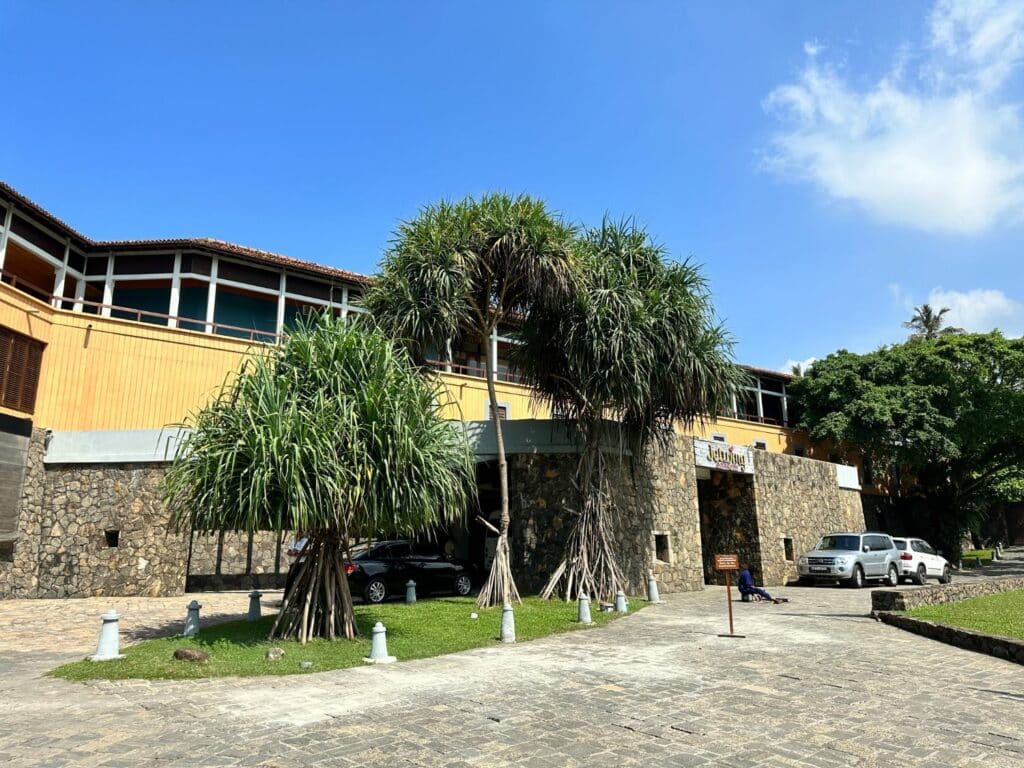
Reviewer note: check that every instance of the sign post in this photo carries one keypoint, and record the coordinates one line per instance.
(728, 563)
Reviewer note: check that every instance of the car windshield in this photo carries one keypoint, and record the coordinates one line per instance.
(842, 543)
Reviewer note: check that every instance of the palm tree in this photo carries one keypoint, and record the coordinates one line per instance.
(461, 270)
(927, 324)
(334, 433)
(635, 350)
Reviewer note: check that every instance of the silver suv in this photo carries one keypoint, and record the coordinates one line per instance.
(851, 558)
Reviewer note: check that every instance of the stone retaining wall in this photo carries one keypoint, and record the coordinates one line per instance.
(19, 577)
(909, 599)
(1007, 648)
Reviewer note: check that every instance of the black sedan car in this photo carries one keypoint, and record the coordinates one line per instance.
(383, 570)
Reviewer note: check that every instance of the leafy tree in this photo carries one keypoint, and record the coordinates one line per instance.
(461, 270)
(333, 433)
(635, 350)
(945, 415)
(927, 324)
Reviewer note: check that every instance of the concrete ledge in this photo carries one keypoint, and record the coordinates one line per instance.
(909, 599)
(1006, 648)
(208, 582)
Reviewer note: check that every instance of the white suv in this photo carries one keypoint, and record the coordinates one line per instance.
(919, 562)
(851, 558)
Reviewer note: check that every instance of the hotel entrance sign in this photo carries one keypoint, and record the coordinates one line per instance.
(724, 457)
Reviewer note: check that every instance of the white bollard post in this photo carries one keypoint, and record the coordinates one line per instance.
(508, 625)
(410, 592)
(254, 605)
(109, 646)
(652, 589)
(192, 619)
(620, 602)
(379, 647)
(583, 611)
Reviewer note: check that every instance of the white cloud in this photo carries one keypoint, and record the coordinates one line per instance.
(939, 152)
(980, 310)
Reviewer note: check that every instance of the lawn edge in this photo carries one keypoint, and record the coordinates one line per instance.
(1000, 646)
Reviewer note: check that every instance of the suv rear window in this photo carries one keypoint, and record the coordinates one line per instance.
(901, 544)
(841, 543)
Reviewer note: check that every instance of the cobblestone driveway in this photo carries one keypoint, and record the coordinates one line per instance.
(814, 683)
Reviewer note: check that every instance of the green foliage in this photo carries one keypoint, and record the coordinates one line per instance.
(333, 430)
(460, 269)
(637, 342)
(428, 628)
(1001, 614)
(946, 414)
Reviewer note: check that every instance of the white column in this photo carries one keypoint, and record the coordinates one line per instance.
(79, 294)
(175, 302)
(211, 296)
(3, 235)
(494, 355)
(108, 287)
(344, 302)
(61, 276)
(280, 305)
(785, 406)
(447, 355)
(760, 405)
(735, 406)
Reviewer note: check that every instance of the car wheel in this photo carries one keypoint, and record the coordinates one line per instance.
(894, 576)
(857, 580)
(946, 576)
(463, 585)
(375, 591)
(921, 577)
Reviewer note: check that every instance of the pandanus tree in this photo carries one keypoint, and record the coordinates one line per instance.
(334, 433)
(461, 270)
(636, 350)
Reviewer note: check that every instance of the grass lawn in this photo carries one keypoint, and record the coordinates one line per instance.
(428, 628)
(984, 554)
(1001, 614)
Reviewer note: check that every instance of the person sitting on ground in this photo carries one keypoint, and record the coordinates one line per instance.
(748, 589)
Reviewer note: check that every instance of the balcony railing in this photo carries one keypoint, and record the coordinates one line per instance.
(133, 313)
(751, 417)
(504, 373)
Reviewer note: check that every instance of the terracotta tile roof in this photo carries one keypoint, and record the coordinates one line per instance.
(200, 243)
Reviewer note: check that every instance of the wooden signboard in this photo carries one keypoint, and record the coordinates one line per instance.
(728, 563)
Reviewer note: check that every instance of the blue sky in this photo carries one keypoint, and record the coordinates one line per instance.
(830, 164)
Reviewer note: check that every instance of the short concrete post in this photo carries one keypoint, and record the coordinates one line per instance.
(254, 605)
(652, 589)
(379, 647)
(583, 612)
(192, 619)
(620, 602)
(109, 645)
(410, 592)
(508, 625)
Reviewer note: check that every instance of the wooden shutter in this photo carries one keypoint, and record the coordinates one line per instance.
(21, 358)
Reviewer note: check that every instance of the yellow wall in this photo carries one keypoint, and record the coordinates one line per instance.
(105, 374)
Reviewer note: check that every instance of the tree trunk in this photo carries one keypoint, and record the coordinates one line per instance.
(499, 588)
(320, 602)
(590, 565)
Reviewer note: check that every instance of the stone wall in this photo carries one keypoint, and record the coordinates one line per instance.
(19, 575)
(104, 531)
(69, 516)
(658, 498)
(936, 594)
(798, 499)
